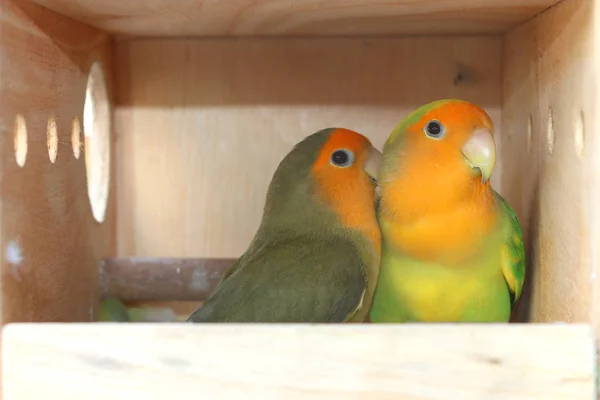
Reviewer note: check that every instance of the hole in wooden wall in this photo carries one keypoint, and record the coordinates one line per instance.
(529, 133)
(52, 139)
(96, 128)
(551, 133)
(20, 140)
(76, 138)
(579, 135)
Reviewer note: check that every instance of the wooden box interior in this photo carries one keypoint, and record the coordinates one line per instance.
(203, 99)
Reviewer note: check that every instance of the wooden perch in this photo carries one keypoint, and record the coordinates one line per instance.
(233, 361)
(160, 279)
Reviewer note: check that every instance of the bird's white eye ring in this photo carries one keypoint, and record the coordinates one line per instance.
(342, 158)
(434, 129)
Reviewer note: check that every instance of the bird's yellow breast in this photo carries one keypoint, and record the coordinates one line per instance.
(433, 292)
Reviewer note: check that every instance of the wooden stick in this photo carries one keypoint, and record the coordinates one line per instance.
(360, 361)
(160, 279)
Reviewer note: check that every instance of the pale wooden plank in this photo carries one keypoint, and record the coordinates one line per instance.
(202, 124)
(299, 17)
(190, 361)
(158, 279)
(552, 63)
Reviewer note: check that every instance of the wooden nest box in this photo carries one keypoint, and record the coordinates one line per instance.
(138, 140)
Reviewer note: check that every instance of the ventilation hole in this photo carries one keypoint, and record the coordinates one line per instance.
(551, 133)
(52, 139)
(579, 135)
(96, 128)
(76, 138)
(20, 139)
(529, 133)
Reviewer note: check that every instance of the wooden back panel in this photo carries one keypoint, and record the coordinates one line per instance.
(202, 124)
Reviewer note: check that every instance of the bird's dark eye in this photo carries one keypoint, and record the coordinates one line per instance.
(342, 158)
(434, 129)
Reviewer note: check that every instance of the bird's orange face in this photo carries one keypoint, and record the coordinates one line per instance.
(434, 180)
(438, 154)
(345, 174)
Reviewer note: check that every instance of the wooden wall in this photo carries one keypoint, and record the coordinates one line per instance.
(51, 244)
(201, 124)
(550, 176)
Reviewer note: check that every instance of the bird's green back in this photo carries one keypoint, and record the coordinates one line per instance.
(288, 280)
(302, 264)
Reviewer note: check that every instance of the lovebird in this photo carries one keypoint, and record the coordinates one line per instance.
(114, 310)
(452, 248)
(315, 256)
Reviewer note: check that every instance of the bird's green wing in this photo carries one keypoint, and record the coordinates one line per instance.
(293, 280)
(513, 252)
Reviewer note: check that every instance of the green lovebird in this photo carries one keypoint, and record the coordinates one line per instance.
(452, 248)
(113, 310)
(315, 257)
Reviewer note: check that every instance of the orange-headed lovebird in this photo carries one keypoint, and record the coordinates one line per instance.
(315, 256)
(452, 248)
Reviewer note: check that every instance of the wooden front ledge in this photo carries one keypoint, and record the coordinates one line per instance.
(99, 361)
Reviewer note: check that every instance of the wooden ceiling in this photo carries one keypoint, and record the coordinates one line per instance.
(299, 17)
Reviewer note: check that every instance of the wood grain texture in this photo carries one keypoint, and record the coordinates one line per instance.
(551, 63)
(232, 361)
(201, 125)
(159, 279)
(299, 17)
(50, 243)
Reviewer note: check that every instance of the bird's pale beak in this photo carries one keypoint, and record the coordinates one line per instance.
(373, 163)
(480, 152)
